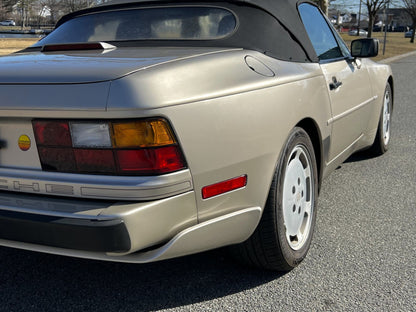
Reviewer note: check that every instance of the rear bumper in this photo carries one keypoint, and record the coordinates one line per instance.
(104, 227)
(229, 229)
(118, 231)
(71, 233)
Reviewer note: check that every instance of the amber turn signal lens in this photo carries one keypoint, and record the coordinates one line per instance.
(150, 133)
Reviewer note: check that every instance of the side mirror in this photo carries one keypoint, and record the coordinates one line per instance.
(367, 47)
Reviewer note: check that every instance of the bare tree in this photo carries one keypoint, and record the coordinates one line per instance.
(55, 9)
(373, 7)
(37, 11)
(323, 4)
(24, 6)
(6, 8)
(410, 7)
(58, 8)
(74, 5)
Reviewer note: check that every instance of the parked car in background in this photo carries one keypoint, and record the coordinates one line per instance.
(353, 32)
(408, 34)
(8, 23)
(141, 131)
(376, 29)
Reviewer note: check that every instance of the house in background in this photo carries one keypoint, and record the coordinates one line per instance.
(397, 19)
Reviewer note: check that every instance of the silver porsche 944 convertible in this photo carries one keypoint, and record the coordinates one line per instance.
(146, 130)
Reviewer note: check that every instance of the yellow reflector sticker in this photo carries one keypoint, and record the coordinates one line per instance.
(142, 134)
(24, 142)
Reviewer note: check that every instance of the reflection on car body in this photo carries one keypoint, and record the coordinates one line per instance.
(137, 132)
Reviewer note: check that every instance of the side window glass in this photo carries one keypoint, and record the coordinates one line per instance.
(321, 36)
(342, 44)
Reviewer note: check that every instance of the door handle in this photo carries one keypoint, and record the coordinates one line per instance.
(335, 84)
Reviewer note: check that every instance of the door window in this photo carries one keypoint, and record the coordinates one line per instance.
(321, 36)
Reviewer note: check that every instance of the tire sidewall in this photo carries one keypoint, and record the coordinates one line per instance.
(380, 135)
(297, 137)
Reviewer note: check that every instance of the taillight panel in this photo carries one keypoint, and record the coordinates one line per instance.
(138, 147)
(157, 160)
(52, 133)
(95, 160)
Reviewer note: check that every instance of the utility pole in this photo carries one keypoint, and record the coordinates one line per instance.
(359, 20)
(385, 26)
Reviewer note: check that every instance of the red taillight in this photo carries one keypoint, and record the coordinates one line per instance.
(92, 147)
(156, 160)
(52, 133)
(224, 187)
(97, 161)
(57, 159)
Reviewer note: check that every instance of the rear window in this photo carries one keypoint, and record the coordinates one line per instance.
(162, 23)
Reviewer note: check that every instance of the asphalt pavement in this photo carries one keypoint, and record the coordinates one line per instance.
(363, 255)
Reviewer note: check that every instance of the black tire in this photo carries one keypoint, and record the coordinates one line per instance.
(270, 246)
(383, 137)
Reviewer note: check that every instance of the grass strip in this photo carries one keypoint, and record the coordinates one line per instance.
(396, 44)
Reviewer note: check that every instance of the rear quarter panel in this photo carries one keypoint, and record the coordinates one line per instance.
(229, 119)
(380, 75)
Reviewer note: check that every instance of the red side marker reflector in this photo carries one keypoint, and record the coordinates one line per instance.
(224, 187)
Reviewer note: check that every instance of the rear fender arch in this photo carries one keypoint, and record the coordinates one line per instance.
(312, 129)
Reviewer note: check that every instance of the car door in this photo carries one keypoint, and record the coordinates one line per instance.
(347, 81)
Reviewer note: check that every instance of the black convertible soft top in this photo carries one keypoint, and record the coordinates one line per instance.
(273, 27)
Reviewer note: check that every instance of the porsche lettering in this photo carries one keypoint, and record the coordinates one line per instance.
(34, 187)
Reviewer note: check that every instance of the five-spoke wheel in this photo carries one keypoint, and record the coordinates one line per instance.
(283, 236)
(298, 197)
(382, 140)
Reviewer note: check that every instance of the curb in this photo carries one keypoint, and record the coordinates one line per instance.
(397, 57)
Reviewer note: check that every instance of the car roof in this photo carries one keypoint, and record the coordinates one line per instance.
(291, 30)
